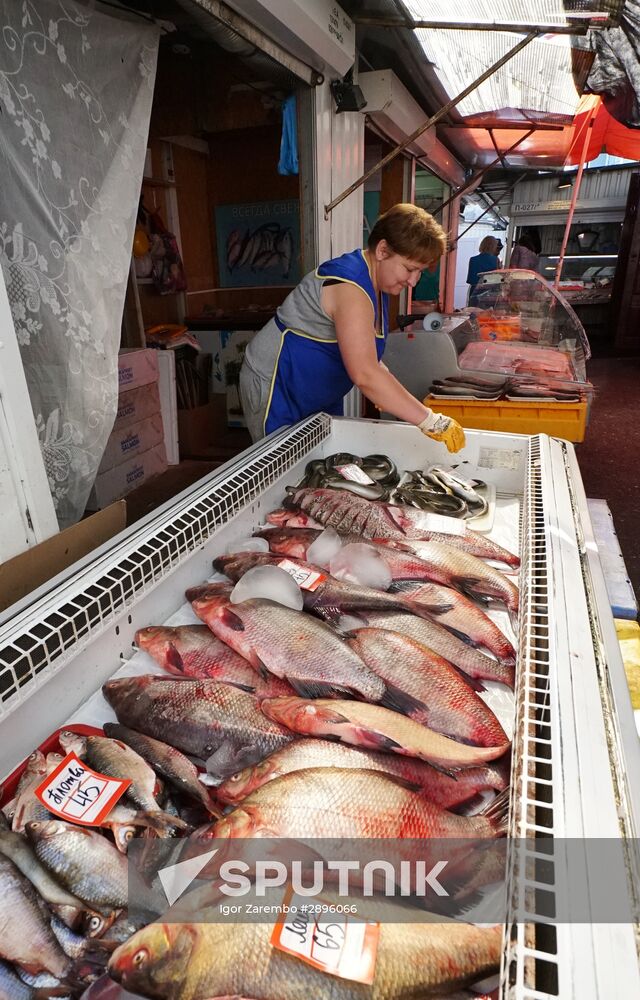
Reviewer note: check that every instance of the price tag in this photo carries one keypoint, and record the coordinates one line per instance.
(316, 932)
(443, 524)
(77, 794)
(307, 579)
(355, 474)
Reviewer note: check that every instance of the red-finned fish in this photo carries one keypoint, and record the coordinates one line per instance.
(445, 791)
(471, 661)
(292, 519)
(348, 513)
(226, 960)
(331, 597)
(194, 651)
(459, 615)
(213, 722)
(448, 606)
(444, 700)
(375, 728)
(287, 643)
(453, 568)
(333, 802)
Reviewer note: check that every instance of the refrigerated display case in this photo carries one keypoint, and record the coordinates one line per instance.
(576, 757)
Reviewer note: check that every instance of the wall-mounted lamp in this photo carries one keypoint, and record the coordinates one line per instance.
(347, 95)
(564, 182)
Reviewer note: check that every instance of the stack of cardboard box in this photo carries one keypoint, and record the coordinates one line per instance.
(135, 451)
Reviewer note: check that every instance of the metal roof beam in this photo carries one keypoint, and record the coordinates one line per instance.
(439, 115)
(580, 27)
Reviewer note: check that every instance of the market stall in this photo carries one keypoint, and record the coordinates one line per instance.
(575, 769)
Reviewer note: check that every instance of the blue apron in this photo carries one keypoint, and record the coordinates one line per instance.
(309, 374)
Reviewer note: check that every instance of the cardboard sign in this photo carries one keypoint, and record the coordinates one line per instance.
(307, 579)
(334, 942)
(79, 795)
(355, 474)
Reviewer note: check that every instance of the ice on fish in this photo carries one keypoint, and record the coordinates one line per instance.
(363, 564)
(248, 545)
(270, 582)
(323, 549)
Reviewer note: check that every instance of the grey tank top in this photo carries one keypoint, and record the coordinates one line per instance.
(302, 311)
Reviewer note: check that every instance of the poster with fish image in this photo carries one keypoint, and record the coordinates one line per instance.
(258, 243)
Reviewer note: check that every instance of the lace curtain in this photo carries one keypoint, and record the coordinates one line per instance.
(76, 88)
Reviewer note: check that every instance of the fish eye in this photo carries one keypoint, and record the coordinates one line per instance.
(129, 835)
(95, 923)
(140, 956)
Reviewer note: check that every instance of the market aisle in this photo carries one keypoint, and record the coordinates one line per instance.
(609, 457)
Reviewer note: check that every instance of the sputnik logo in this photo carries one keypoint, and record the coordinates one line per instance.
(176, 879)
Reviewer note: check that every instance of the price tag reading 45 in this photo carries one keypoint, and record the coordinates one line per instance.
(76, 793)
(334, 942)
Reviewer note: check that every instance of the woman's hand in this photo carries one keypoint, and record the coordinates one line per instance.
(442, 428)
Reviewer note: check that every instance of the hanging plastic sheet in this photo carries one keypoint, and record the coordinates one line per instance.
(76, 88)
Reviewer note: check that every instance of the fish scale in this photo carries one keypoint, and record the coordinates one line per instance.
(215, 959)
(330, 802)
(375, 728)
(288, 643)
(447, 703)
(445, 791)
(199, 717)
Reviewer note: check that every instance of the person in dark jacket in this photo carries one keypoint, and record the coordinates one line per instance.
(485, 260)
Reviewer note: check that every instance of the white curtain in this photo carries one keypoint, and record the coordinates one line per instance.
(76, 87)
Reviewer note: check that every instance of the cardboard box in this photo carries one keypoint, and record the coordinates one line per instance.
(29, 570)
(117, 482)
(132, 439)
(137, 366)
(168, 403)
(137, 404)
(197, 428)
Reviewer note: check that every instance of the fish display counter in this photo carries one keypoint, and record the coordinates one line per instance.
(340, 620)
(515, 361)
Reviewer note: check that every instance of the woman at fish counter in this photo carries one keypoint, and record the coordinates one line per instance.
(329, 334)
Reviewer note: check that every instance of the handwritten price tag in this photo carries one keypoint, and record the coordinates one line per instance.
(355, 474)
(76, 793)
(334, 942)
(307, 579)
(443, 524)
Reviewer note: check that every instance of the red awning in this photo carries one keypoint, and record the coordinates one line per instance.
(607, 134)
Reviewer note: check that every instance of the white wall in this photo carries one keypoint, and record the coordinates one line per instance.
(467, 247)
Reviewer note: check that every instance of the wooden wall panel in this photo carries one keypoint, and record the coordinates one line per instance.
(192, 187)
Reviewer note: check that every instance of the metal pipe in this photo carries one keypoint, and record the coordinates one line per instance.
(444, 110)
(476, 177)
(579, 28)
(247, 31)
(494, 202)
(574, 197)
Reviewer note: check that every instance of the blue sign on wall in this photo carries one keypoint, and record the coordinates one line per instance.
(258, 243)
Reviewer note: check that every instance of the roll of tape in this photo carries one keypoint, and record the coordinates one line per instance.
(432, 321)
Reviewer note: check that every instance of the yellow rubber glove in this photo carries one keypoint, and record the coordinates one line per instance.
(442, 428)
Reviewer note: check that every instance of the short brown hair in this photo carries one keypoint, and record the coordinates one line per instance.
(410, 232)
(489, 245)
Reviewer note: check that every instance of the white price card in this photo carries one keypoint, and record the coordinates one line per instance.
(79, 795)
(328, 938)
(307, 579)
(355, 474)
(442, 523)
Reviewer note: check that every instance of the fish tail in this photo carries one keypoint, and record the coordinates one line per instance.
(162, 823)
(497, 812)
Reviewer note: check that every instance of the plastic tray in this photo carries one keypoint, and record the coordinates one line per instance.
(562, 420)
